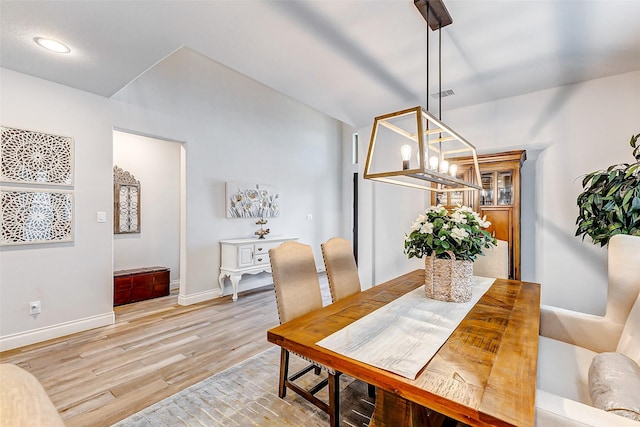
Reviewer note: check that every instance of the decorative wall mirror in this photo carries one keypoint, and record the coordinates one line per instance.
(126, 200)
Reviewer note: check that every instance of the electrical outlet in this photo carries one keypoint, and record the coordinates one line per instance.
(35, 307)
(309, 217)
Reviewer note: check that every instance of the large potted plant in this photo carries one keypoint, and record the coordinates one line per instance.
(450, 240)
(610, 201)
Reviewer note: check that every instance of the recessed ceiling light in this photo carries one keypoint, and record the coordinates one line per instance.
(52, 45)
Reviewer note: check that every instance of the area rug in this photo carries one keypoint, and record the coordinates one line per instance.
(247, 395)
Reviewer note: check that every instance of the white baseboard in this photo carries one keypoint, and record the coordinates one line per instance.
(33, 336)
(174, 284)
(198, 297)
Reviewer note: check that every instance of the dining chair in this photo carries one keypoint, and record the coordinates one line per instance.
(494, 263)
(297, 289)
(342, 271)
(342, 274)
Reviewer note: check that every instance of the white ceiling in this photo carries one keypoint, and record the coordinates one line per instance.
(351, 59)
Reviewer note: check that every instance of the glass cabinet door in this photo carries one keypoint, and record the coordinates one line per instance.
(505, 188)
(486, 194)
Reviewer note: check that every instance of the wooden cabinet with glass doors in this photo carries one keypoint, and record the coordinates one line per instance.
(499, 198)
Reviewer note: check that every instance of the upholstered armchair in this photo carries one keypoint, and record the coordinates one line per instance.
(570, 340)
(23, 400)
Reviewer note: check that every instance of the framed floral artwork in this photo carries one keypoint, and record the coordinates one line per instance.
(251, 200)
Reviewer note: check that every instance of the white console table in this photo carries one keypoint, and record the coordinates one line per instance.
(246, 256)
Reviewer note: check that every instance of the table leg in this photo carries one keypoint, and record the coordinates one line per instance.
(221, 283)
(334, 399)
(392, 410)
(234, 281)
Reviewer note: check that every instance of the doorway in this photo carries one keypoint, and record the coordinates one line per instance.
(158, 165)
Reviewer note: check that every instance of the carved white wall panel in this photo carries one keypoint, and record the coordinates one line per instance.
(35, 157)
(36, 216)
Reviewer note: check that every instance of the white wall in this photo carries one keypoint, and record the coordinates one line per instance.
(567, 131)
(73, 281)
(156, 165)
(235, 129)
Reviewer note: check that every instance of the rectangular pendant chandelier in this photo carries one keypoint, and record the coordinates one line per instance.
(415, 149)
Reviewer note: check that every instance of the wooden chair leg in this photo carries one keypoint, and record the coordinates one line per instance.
(316, 370)
(334, 399)
(284, 372)
(333, 382)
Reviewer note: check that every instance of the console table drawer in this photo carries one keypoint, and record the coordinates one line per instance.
(263, 248)
(261, 259)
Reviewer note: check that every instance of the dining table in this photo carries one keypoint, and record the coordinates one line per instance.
(483, 374)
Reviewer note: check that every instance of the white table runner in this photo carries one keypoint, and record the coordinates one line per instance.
(405, 334)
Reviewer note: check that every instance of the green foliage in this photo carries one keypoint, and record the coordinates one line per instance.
(460, 231)
(610, 201)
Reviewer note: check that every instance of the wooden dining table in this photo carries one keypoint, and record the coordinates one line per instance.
(483, 375)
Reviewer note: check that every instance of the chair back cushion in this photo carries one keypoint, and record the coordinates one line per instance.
(494, 263)
(629, 343)
(295, 280)
(342, 271)
(624, 276)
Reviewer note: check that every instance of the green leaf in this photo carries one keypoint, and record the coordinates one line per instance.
(613, 190)
(625, 200)
(631, 170)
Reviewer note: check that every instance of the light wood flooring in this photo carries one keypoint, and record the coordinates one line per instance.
(155, 349)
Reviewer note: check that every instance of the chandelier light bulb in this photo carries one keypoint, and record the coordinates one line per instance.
(433, 162)
(453, 169)
(405, 152)
(444, 166)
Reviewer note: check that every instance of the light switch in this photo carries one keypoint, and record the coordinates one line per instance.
(309, 217)
(102, 217)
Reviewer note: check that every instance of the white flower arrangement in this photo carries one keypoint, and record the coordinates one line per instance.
(460, 231)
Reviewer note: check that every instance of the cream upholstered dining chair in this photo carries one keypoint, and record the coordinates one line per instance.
(297, 289)
(494, 263)
(342, 271)
(570, 391)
